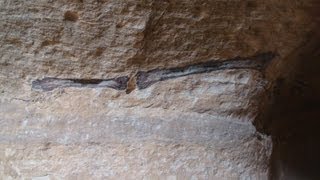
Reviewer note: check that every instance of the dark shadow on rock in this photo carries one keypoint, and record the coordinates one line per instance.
(293, 120)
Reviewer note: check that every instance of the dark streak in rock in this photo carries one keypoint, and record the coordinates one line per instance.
(48, 84)
(258, 62)
(144, 79)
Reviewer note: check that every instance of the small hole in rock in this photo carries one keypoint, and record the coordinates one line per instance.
(99, 51)
(71, 16)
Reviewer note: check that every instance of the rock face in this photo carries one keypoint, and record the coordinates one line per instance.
(293, 120)
(141, 89)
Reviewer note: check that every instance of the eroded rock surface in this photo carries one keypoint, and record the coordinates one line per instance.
(73, 106)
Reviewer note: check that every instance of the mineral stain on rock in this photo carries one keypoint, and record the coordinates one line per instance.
(50, 83)
(258, 62)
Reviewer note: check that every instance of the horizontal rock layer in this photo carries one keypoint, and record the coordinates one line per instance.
(97, 89)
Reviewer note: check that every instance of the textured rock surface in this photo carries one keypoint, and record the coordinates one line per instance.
(197, 126)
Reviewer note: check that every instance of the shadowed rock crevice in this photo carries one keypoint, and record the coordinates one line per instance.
(292, 117)
(257, 62)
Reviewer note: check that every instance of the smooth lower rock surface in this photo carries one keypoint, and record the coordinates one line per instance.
(180, 128)
(65, 114)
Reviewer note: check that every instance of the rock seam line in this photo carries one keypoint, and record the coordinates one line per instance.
(144, 79)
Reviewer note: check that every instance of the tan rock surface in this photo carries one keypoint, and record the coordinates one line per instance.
(197, 126)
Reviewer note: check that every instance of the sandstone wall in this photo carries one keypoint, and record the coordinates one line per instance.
(207, 66)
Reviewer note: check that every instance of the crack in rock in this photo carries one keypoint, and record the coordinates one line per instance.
(49, 83)
(145, 79)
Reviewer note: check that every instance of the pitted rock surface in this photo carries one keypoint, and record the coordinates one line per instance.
(70, 102)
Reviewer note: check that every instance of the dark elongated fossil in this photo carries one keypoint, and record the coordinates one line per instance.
(146, 78)
(48, 84)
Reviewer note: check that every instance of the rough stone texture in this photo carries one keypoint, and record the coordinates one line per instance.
(182, 127)
(198, 126)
